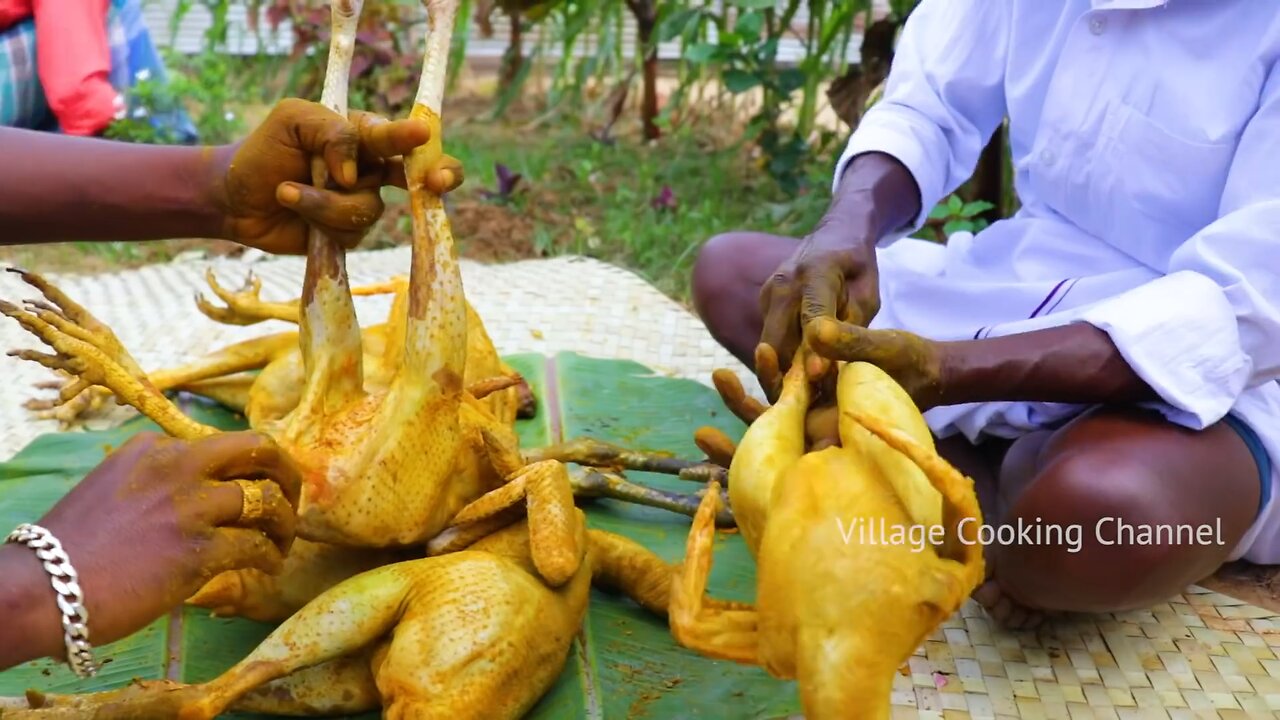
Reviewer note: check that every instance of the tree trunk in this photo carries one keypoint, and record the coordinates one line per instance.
(988, 179)
(513, 58)
(646, 14)
(848, 93)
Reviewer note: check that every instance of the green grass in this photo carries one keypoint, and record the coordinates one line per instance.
(581, 196)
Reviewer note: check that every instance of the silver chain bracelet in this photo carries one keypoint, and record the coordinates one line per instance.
(75, 618)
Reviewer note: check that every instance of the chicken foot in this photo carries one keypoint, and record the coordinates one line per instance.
(598, 483)
(598, 453)
(246, 306)
(87, 350)
(217, 375)
(593, 482)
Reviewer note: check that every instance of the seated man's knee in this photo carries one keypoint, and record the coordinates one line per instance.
(717, 271)
(1083, 544)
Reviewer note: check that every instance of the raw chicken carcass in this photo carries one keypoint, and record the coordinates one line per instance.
(839, 606)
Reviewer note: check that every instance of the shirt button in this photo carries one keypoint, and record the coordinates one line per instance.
(1047, 157)
(1097, 25)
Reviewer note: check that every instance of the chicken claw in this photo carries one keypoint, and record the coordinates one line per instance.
(718, 446)
(244, 307)
(735, 397)
(89, 351)
(596, 483)
(598, 453)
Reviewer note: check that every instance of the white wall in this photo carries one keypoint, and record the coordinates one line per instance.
(189, 37)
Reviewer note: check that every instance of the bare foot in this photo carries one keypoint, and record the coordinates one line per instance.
(1007, 613)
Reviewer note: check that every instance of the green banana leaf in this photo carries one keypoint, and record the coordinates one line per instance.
(624, 663)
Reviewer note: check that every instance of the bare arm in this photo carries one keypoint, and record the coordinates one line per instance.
(1075, 363)
(77, 188)
(257, 192)
(31, 628)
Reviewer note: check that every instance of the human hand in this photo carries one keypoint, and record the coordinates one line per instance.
(916, 363)
(263, 185)
(159, 517)
(831, 275)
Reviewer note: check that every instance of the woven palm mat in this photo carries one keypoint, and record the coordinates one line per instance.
(1201, 655)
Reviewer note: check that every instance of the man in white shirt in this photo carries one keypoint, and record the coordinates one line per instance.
(1105, 359)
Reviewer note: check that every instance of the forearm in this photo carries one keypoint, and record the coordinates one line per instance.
(876, 196)
(31, 628)
(1074, 363)
(68, 188)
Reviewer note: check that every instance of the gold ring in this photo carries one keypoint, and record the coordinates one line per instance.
(253, 505)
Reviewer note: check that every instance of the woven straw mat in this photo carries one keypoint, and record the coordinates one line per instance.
(1201, 655)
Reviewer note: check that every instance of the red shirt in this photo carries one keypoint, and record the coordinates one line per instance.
(73, 59)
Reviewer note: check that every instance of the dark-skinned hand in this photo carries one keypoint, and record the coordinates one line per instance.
(263, 185)
(829, 276)
(914, 362)
(158, 518)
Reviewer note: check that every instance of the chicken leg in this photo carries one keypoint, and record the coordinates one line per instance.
(332, 356)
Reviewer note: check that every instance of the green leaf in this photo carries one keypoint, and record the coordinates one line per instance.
(790, 80)
(701, 52)
(624, 663)
(755, 4)
(975, 208)
(740, 81)
(749, 26)
(940, 212)
(676, 24)
(955, 204)
(956, 226)
(767, 51)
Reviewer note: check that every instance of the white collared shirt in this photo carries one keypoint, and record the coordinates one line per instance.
(1146, 147)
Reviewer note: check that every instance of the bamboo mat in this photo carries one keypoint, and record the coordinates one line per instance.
(1201, 655)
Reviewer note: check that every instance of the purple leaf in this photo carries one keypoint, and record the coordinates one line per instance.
(507, 180)
(359, 64)
(665, 200)
(397, 93)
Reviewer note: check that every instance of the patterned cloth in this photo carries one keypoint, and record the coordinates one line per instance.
(133, 59)
(22, 102)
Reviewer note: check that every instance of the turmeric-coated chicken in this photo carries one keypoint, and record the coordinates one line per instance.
(479, 632)
(843, 597)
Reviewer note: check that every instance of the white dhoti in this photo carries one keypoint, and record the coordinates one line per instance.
(1022, 274)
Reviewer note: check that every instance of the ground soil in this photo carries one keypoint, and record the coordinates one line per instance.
(1257, 585)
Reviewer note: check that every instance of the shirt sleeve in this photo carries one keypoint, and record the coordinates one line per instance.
(944, 96)
(1210, 328)
(74, 63)
(13, 11)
